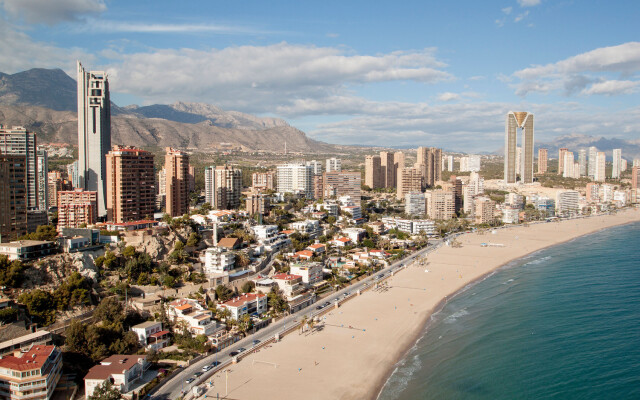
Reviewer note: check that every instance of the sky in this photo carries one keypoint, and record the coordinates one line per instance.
(389, 73)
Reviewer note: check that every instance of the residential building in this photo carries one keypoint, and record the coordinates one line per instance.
(373, 177)
(191, 179)
(591, 167)
(77, 208)
(582, 161)
(268, 236)
(263, 181)
(228, 188)
(429, 163)
(94, 133)
(72, 174)
(13, 197)
(42, 179)
(18, 141)
(514, 199)
(291, 285)
(308, 226)
(355, 211)
(131, 193)
(545, 204)
(635, 177)
(30, 374)
(567, 164)
(515, 121)
(316, 167)
(470, 163)
(600, 167)
(409, 180)
(440, 204)
(518, 160)
(355, 234)
(510, 215)
(337, 184)
(617, 164)
(333, 165)
(295, 178)
(606, 193)
(450, 163)
(210, 185)
(151, 335)
(37, 338)
(176, 166)
(484, 210)
(121, 370)
(218, 261)
(561, 159)
(310, 273)
(543, 159)
(567, 202)
(27, 249)
(592, 192)
(387, 169)
(414, 203)
(318, 186)
(477, 182)
(258, 204)
(195, 318)
(398, 163)
(249, 303)
(161, 185)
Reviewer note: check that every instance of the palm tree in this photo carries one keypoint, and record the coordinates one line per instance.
(311, 323)
(303, 322)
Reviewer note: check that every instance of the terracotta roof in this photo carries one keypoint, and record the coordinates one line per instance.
(184, 307)
(158, 334)
(343, 239)
(35, 358)
(305, 253)
(241, 300)
(229, 243)
(286, 277)
(317, 246)
(113, 365)
(288, 231)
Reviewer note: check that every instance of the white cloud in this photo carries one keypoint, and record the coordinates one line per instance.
(261, 78)
(141, 27)
(52, 11)
(528, 3)
(612, 88)
(30, 54)
(520, 17)
(507, 10)
(574, 74)
(448, 96)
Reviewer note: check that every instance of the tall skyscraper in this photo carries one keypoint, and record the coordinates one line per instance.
(582, 160)
(568, 161)
(176, 166)
(600, 167)
(409, 180)
(43, 187)
(372, 172)
(398, 164)
(387, 169)
(210, 185)
(76, 208)
(228, 187)
(13, 196)
(543, 159)
(429, 162)
(336, 184)
(617, 163)
(72, 173)
(591, 166)
(635, 178)
(450, 163)
(131, 192)
(519, 160)
(561, 153)
(262, 181)
(94, 133)
(333, 164)
(440, 204)
(295, 178)
(19, 141)
(515, 121)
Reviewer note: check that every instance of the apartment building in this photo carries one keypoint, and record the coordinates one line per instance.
(30, 374)
(176, 165)
(77, 208)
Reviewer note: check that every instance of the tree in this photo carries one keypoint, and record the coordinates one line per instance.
(242, 260)
(129, 252)
(223, 293)
(245, 323)
(193, 240)
(111, 312)
(43, 232)
(10, 272)
(105, 391)
(40, 306)
(248, 287)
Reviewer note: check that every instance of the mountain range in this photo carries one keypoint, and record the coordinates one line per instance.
(574, 142)
(44, 101)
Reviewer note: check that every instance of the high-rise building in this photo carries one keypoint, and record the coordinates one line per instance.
(257, 203)
(561, 153)
(19, 141)
(94, 133)
(398, 164)
(77, 208)
(582, 161)
(592, 192)
(192, 179)
(228, 187)
(316, 167)
(617, 163)
(13, 196)
(295, 178)
(43, 182)
(567, 164)
(414, 203)
(373, 172)
(263, 180)
(333, 165)
(515, 121)
(567, 202)
(472, 163)
(337, 184)
(176, 166)
(450, 163)
(387, 169)
(484, 212)
(131, 191)
(600, 167)
(440, 204)
(635, 178)
(318, 186)
(456, 188)
(72, 174)
(543, 160)
(519, 160)
(409, 180)
(429, 162)
(210, 185)
(591, 166)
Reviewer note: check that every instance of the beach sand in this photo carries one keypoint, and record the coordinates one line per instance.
(353, 352)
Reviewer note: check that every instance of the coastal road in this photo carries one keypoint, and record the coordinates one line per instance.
(177, 385)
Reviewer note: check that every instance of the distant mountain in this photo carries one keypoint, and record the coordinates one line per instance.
(574, 142)
(44, 101)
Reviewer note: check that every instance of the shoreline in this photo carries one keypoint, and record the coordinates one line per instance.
(347, 363)
(376, 392)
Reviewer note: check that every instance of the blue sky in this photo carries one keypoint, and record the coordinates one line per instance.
(401, 73)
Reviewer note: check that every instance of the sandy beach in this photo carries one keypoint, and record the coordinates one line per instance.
(355, 348)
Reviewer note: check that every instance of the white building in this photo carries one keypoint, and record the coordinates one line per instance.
(470, 163)
(567, 202)
(355, 234)
(617, 163)
(295, 178)
(30, 374)
(218, 260)
(269, 237)
(331, 208)
(423, 225)
(311, 273)
(450, 163)
(591, 167)
(316, 167)
(514, 199)
(354, 211)
(151, 335)
(605, 193)
(308, 226)
(248, 303)
(510, 215)
(121, 370)
(600, 167)
(582, 161)
(414, 203)
(197, 319)
(334, 164)
(210, 185)
(569, 162)
(621, 197)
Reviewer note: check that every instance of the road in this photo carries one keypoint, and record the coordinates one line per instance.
(177, 385)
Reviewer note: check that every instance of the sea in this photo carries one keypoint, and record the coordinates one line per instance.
(562, 323)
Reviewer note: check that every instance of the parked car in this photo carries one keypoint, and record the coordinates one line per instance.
(234, 353)
(197, 374)
(242, 349)
(188, 381)
(255, 342)
(207, 368)
(215, 363)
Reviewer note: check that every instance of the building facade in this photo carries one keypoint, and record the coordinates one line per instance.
(373, 172)
(333, 165)
(30, 374)
(337, 184)
(409, 180)
(543, 160)
(296, 178)
(13, 196)
(176, 166)
(617, 164)
(228, 187)
(77, 208)
(515, 121)
(600, 165)
(440, 204)
(19, 141)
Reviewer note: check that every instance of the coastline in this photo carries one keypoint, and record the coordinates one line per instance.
(355, 363)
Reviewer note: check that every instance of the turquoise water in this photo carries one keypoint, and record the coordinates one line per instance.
(563, 323)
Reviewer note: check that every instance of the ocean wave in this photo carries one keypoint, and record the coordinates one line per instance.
(538, 261)
(454, 317)
(399, 379)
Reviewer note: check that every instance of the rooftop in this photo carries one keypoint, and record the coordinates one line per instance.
(113, 365)
(35, 358)
(242, 300)
(25, 243)
(146, 324)
(286, 277)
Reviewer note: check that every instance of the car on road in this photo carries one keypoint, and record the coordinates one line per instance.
(197, 374)
(215, 363)
(255, 342)
(207, 368)
(188, 381)
(346, 294)
(242, 349)
(319, 307)
(380, 276)
(234, 353)
(326, 304)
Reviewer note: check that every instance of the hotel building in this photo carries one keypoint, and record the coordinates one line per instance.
(176, 166)
(515, 121)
